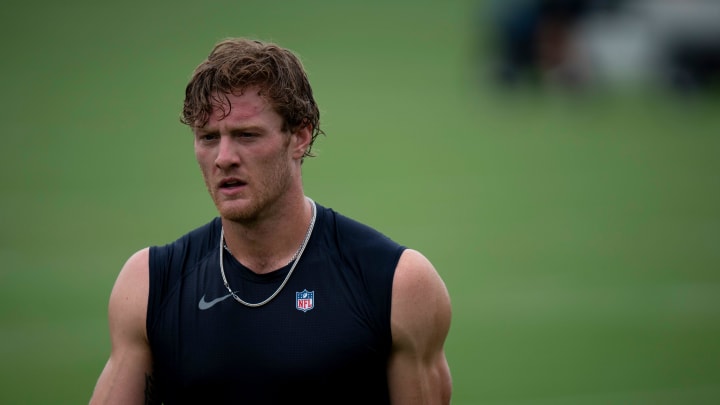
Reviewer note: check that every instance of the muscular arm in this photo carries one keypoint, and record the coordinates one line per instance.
(127, 376)
(418, 373)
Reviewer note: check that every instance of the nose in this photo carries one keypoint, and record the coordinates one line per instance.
(227, 156)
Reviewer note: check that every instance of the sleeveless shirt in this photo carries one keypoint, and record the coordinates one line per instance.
(324, 339)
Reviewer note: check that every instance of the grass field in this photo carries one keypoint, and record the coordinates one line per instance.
(579, 236)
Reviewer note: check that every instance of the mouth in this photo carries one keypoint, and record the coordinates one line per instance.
(231, 184)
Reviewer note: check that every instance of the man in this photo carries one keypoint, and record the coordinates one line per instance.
(279, 299)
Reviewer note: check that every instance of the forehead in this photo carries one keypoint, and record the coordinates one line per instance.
(248, 107)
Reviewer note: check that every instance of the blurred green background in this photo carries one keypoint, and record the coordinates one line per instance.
(578, 234)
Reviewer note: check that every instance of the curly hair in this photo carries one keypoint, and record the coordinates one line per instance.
(238, 63)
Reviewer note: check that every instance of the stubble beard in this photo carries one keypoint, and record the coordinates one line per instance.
(252, 207)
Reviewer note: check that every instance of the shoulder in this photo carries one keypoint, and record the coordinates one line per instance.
(183, 253)
(352, 235)
(134, 273)
(416, 279)
(200, 238)
(128, 300)
(420, 301)
(169, 264)
(368, 252)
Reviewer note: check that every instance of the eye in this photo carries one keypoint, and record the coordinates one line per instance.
(208, 137)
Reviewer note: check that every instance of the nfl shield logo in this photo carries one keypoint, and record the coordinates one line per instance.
(305, 300)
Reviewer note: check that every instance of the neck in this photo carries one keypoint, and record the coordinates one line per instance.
(267, 244)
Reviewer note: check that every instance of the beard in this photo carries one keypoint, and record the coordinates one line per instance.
(260, 197)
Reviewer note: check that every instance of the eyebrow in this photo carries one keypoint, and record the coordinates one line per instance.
(237, 130)
(248, 128)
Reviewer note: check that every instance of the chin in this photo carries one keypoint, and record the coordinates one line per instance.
(236, 211)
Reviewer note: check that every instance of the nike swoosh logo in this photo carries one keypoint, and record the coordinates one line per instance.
(203, 305)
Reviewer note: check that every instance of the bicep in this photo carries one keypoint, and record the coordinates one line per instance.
(418, 372)
(128, 371)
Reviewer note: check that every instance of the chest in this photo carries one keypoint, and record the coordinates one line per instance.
(323, 327)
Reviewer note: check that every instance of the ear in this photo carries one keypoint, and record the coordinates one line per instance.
(300, 141)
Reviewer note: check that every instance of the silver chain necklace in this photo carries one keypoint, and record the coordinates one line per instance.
(296, 257)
